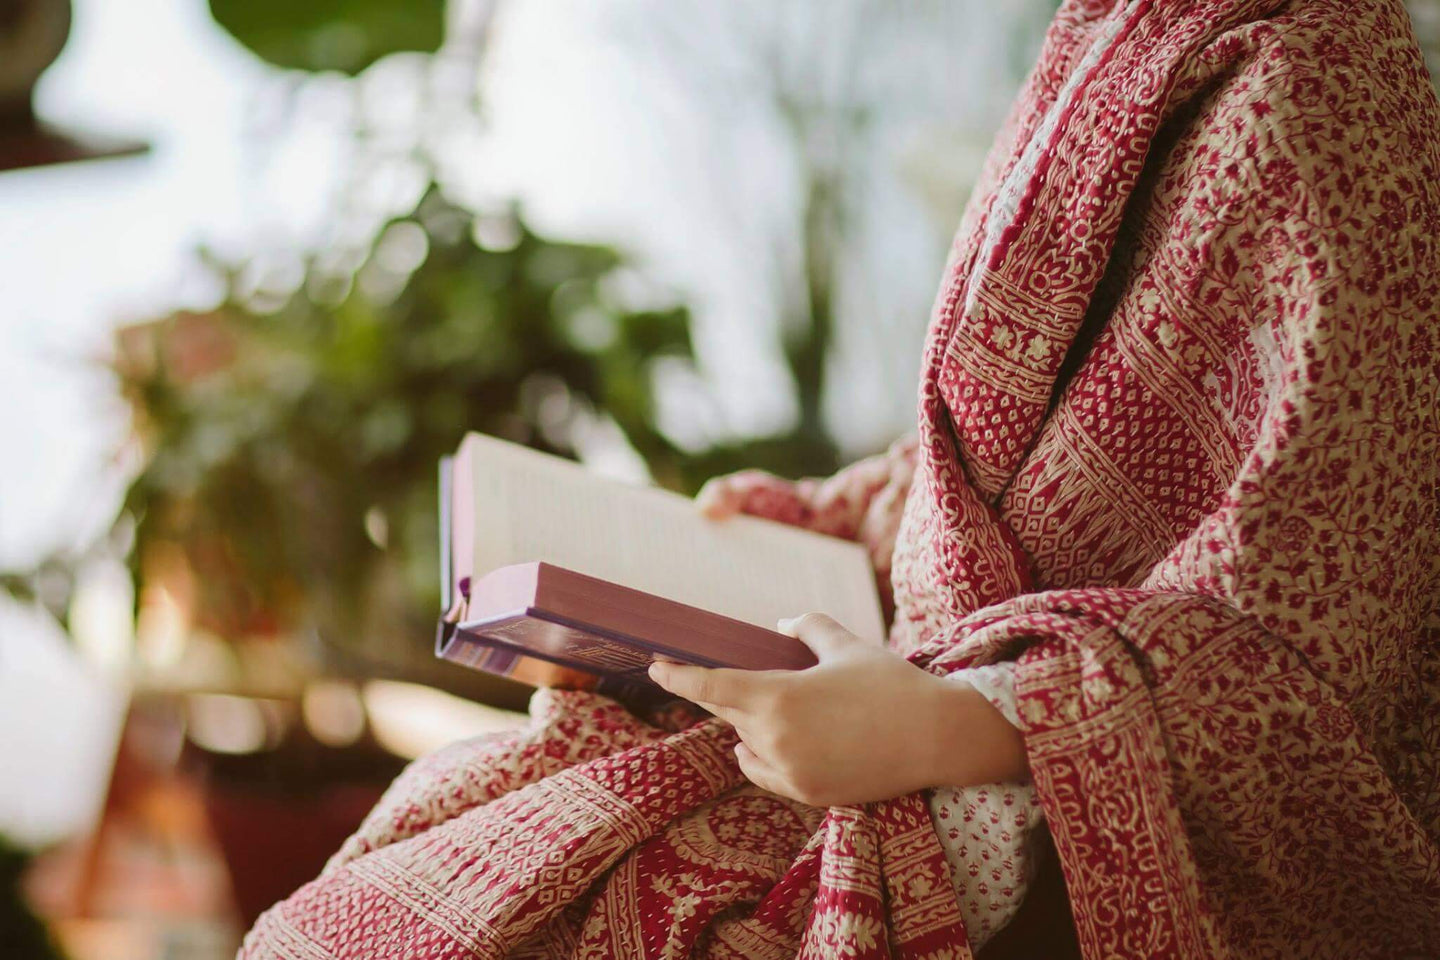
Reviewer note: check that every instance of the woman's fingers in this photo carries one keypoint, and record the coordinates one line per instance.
(719, 690)
(758, 772)
(823, 635)
(757, 493)
(718, 499)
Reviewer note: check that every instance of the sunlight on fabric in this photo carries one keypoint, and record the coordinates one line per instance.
(411, 720)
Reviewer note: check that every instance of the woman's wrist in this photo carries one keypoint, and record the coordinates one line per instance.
(973, 743)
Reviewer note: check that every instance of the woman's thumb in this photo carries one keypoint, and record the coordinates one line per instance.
(820, 633)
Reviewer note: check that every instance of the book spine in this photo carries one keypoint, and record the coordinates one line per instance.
(478, 650)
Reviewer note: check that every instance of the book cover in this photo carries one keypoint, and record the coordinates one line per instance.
(512, 525)
(540, 611)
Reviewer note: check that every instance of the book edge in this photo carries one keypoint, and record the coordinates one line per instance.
(556, 600)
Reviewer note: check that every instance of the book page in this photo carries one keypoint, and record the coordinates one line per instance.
(530, 506)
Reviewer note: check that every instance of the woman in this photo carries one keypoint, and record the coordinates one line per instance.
(1166, 547)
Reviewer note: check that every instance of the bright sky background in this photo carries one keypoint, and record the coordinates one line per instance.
(588, 125)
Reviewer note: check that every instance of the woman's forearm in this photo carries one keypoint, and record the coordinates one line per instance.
(973, 743)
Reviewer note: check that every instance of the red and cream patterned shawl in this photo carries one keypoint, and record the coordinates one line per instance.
(1177, 456)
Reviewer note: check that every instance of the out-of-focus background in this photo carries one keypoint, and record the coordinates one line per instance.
(262, 262)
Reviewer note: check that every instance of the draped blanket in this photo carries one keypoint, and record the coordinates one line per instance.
(1178, 458)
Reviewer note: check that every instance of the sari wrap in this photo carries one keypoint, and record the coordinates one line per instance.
(1176, 461)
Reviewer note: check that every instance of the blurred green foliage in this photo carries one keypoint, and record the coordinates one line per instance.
(292, 445)
(290, 436)
(343, 35)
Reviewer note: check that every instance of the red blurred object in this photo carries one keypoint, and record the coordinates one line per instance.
(277, 814)
(273, 844)
(192, 844)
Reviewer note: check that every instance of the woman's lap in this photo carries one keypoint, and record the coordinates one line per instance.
(727, 871)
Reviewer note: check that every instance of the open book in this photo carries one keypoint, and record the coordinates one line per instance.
(555, 576)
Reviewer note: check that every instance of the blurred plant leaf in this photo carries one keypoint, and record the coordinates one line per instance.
(343, 35)
(280, 440)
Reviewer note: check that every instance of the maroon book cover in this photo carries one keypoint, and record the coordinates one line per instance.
(535, 611)
(524, 620)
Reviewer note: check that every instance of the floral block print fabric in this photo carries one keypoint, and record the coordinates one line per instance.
(991, 834)
(1176, 462)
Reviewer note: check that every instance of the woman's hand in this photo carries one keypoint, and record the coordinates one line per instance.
(863, 724)
(758, 494)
